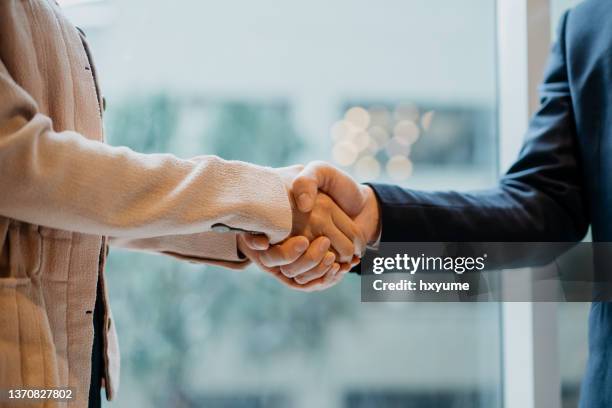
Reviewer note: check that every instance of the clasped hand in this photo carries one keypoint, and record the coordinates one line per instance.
(333, 219)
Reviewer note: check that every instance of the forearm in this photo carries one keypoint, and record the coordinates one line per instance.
(508, 213)
(541, 198)
(66, 181)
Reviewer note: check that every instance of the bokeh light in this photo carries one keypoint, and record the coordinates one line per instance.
(397, 147)
(406, 131)
(361, 140)
(399, 168)
(358, 117)
(340, 130)
(379, 134)
(345, 153)
(426, 120)
(367, 168)
(373, 138)
(379, 116)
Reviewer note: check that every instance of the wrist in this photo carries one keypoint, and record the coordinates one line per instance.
(371, 211)
(287, 175)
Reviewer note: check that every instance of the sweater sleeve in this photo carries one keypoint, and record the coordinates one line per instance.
(205, 247)
(65, 181)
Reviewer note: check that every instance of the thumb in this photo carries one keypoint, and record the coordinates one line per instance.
(256, 242)
(332, 181)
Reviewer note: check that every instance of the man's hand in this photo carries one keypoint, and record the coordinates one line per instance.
(327, 220)
(305, 261)
(358, 201)
(324, 218)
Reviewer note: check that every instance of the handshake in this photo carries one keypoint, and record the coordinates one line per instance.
(333, 220)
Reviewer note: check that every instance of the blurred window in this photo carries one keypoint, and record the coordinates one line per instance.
(400, 91)
(573, 317)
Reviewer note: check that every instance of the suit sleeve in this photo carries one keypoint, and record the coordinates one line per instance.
(65, 181)
(541, 198)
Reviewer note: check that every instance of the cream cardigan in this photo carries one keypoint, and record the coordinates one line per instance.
(63, 192)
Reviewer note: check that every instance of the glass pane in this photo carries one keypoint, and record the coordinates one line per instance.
(400, 91)
(573, 349)
(573, 317)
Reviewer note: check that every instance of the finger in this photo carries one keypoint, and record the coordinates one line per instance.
(328, 279)
(342, 245)
(346, 267)
(276, 273)
(337, 184)
(285, 252)
(311, 258)
(331, 278)
(257, 242)
(309, 287)
(338, 277)
(318, 271)
(319, 283)
(246, 251)
(334, 275)
(349, 229)
(306, 185)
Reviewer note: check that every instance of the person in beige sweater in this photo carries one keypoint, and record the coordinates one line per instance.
(65, 196)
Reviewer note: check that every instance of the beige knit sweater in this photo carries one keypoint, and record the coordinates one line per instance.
(63, 192)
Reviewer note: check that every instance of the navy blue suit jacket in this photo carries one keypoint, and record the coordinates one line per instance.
(560, 184)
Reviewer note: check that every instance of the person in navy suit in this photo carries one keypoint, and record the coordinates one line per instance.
(559, 186)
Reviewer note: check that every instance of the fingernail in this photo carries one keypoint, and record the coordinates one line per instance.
(329, 259)
(301, 246)
(304, 202)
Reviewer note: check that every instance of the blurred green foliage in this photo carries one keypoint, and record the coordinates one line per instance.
(259, 134)
(170, 314)
(146, 123)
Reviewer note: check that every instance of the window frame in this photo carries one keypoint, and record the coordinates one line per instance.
(530, 367)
